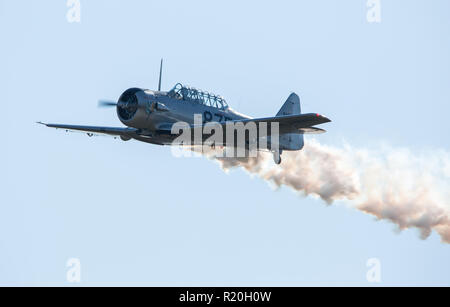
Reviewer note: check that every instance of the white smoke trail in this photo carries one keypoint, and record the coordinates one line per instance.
(410, 191)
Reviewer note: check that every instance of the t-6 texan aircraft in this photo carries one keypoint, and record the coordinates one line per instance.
(149, 116)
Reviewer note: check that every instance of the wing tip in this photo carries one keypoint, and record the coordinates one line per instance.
(324, 118)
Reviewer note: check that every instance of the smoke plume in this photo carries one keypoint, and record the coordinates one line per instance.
(411, 191)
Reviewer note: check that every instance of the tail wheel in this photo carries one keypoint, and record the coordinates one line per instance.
(277, 157)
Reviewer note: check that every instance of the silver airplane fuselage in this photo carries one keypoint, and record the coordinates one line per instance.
(155, 116)
(155, 110)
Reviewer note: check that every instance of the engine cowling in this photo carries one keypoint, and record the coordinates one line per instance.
(131, 108)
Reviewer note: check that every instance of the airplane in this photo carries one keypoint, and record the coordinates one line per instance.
(149, 116)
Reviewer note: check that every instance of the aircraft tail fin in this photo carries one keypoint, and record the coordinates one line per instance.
(291, 141)
(291, 106)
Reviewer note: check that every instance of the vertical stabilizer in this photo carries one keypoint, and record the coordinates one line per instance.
(291, 141)
(291, 106)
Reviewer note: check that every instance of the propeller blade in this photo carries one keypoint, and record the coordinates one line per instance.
(106, 103)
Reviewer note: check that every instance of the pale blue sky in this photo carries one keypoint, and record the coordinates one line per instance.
(135, 215)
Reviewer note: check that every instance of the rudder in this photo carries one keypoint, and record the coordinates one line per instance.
(291, 106)
(291, 141)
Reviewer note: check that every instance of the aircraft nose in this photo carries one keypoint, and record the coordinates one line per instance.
(127, 105)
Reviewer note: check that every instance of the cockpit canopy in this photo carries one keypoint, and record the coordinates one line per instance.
(182, 92)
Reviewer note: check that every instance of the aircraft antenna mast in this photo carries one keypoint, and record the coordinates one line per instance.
(160, 75)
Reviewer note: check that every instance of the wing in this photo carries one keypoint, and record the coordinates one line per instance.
(91, 130)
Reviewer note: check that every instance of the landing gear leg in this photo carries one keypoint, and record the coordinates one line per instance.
(277, 156)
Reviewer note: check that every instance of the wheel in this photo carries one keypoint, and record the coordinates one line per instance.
(277, 157)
